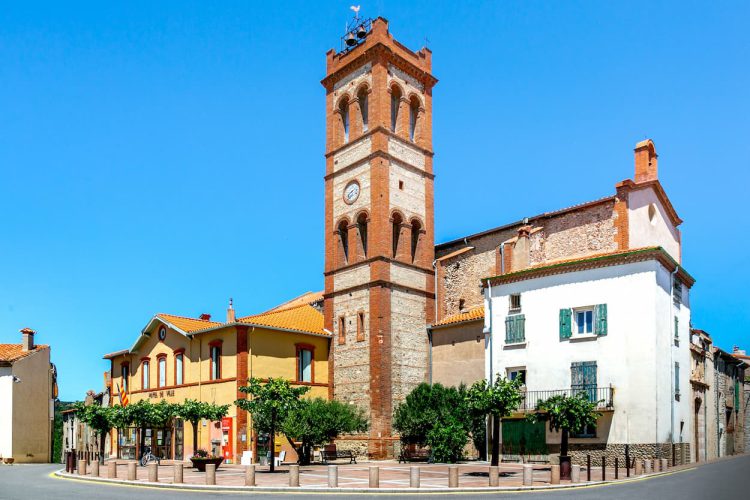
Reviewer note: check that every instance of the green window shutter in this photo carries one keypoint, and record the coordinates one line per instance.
(508, 329)
(676, 327)
(565, 324)
(600, 325)
(520, 328)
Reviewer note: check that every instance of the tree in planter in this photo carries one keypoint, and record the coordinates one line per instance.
(435, 416)
(99, 418)
(498, 400)
(314, 422)
(568, 414)
(145, 414)
(194, 411)
(270, 405)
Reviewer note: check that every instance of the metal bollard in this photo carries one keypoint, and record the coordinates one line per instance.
(333, 476)
(554, 474)
(153, 472)
(95, 468)
(132, 470)
(179, 469)
(414, 477)
(294, 475)
(617, 467)
(575, 473)
(453, 476)
(82, 467)
(604, 467)
(528, 475)
(211, 474)
(638, 467)
(588, 468)
(494, 475)
(647, 469)
(374, 477)
(112, 469)
(250, 475)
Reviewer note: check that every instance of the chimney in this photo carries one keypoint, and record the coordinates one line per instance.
(205, 317)
(646, 161)
(27, 344)
(230, 313)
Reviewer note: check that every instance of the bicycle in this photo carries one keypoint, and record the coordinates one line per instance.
(149, 457)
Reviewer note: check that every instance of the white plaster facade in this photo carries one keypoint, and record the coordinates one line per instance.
(649, 224)
(636, 356)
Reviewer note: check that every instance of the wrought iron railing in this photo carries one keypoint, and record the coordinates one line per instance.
(603, 395)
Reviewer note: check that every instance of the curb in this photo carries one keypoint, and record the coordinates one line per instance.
(61, 474)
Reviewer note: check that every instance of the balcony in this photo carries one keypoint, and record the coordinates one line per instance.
(604, 395)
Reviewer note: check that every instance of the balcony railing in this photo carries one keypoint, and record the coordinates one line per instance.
(604, 396)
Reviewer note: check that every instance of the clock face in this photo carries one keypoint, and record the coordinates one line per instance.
(351, 192)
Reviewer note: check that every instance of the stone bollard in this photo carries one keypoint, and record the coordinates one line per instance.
(638, 467)
(294, 475)
(211, 474)
(528, 475)
(250, 475)
(647, 467)
(95, 468)
(664, 464)
(153, 472)
(132, 470)
(494, 475)
(453, 476)
(575, 473)
(179, 469)
(554, 474)
(414, 477)
(112, 469)
(374, 477)
(333, 476)
(82, 467)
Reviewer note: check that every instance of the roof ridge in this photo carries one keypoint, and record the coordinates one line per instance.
(188, 317)
(275, 311)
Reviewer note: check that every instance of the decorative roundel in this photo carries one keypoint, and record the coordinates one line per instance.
(351, 192)
(162, 333)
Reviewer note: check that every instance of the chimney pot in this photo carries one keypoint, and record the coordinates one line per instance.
(27, 343)
(230, 312)
(205, 316)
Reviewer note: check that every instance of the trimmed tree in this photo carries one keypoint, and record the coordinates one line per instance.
(497, 401)
(314, 422)
(145, 414)
(270, 406)
(194, 411)
(99, 418)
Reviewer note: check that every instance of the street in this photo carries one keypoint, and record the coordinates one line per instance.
(725, 479)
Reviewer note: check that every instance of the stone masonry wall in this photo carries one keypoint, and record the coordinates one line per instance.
(409, 341)
(639, 451)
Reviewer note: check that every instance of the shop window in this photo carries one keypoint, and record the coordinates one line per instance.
(215, 348)
(304, 364)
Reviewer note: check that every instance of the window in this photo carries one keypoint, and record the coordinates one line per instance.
(344, 237)
(395, 103)
(362, 97)
(677, 292)
(215, 349)
(161, 364)
(676, 330)
(515, 329)
(344, 111)
(517, 373)
(401, 185)
(145, 364)
(125, 373)
(677, 380)
(413, 117)
(515, 302)
(179, 361)
(588, 431)
(362, 227)
(397, 221)
(304, 364)
(360, 326)
(416, 229)
(342, 330)
(584, 321)
(461, 305)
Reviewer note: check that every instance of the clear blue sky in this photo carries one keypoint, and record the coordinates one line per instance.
(164, 156)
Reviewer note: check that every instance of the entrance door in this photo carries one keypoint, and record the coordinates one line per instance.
(696, 425)
(583, 378)
(179, 439)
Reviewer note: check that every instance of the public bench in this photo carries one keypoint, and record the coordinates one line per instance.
(413, 453)
(331, 453)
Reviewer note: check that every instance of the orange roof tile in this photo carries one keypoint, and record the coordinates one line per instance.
(305, 298)
(13, 352)
(474, 314)
(188, 325)
(302, 318)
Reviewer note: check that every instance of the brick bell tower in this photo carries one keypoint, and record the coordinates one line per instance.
(379, 281)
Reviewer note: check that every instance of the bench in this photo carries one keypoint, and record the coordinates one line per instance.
(330, 452)
(413, 453)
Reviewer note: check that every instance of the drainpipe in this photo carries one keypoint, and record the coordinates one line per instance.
(429, 338)
(434, 266)
(671, 356)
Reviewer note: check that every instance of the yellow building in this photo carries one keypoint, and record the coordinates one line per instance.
(177, 358)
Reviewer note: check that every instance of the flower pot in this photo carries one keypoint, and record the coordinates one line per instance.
(200, 463)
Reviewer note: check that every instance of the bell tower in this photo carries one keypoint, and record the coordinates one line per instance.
(379, 281)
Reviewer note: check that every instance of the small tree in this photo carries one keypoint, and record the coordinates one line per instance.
(271, 404)
(99, 418)
(435, 416)
(145, 414)
(569, 414)
(498, 400)
(194, 411)
(314, 422)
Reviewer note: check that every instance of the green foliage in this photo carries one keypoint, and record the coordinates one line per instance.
(435, 416)
(499, 399)
(146, 414)
(571, 413)
(193, 411)
(99, 418)
(314, 422)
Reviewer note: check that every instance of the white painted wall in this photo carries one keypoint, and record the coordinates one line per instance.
(634, 357)
(6, 411)
(646, 231)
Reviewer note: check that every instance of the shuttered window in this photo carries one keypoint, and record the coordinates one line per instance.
(677, 380)
(583, 319)
(515, 329)
(600, 318)
(566, 329)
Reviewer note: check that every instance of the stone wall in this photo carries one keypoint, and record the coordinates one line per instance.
(409, 341)
(638, 451)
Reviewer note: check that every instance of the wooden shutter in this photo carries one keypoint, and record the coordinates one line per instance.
(509, 324)
(566, 329)
(600, 325)
(520, 328)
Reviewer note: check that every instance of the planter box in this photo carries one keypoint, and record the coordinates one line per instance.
(200, 463)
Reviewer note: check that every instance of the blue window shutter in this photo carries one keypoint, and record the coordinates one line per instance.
(565, 324)
(600, 325)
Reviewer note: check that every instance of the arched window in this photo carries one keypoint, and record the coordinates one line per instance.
(395, 102)
(215, 364)
(343, 231)
(362, 227)
(416, 229)
(344, 111)
(179, 367)
(125, 374)
(145, 375)
(413, 116)
(161, 365)
(364, 110)
(397, 221)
